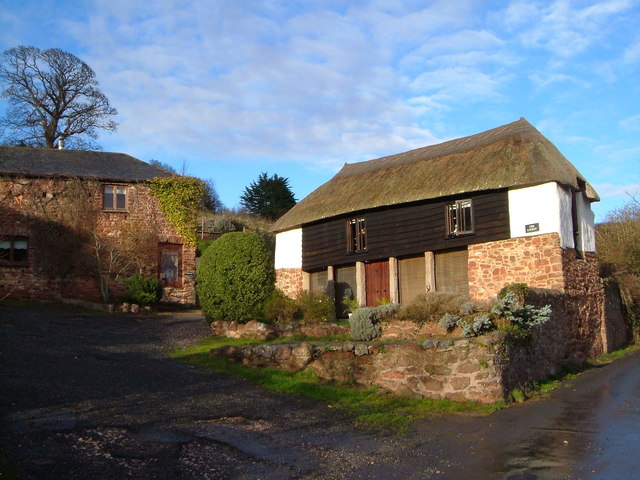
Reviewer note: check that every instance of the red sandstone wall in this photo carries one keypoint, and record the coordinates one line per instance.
(40, 209)
(289, 281)
(536, 261)
(540, 262)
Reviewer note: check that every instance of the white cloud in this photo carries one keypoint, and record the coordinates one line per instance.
(562, 27)
(632, 52)
(608, 190)
(631, 124)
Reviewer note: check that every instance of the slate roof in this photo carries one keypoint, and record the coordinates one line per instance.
(513, 155)
(42, 162)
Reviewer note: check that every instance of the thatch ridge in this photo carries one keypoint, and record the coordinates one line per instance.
(513, 155)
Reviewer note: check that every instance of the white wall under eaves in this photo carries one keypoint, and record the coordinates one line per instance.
(289, 249)
(549, 206)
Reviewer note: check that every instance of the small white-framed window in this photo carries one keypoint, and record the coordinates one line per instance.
(114, 197)
(459, 218)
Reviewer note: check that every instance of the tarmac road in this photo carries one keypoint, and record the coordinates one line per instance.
(92, 396)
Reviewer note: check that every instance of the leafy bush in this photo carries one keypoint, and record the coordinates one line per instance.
(449, 321)
(350, 303)
(526, 316)
(430, 307)
(142, 290)
(364, 324)
(506, 306)
(316, 307)
(618, 239)
(467, 308)
(235, 278)
(202, 246)
(507, 313)
(481, 324)
(282, 309)
(520, 290)
(387, 311)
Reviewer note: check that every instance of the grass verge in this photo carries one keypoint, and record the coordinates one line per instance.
(372, 408)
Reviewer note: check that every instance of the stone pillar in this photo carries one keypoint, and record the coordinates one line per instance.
(429, 272)
(394, 292)
(361, 285)
(306, 281)
(331, 289)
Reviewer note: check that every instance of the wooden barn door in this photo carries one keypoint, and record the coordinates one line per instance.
(377, 281)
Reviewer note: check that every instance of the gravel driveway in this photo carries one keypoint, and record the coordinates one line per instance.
(90, 396)
(94, 396)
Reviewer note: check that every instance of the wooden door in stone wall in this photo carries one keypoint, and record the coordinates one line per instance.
(377, 281)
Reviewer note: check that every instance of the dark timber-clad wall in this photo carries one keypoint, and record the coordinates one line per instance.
(403, 230)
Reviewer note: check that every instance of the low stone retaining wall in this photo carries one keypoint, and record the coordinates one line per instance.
(265, 331)
(462, 369)
(394, 330)
(407, 330)
(482, 369)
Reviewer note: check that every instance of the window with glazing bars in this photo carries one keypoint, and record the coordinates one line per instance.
(14, 250)
(114, 197)
(356, 235)
(459, 218)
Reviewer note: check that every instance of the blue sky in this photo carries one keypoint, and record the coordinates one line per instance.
(232, 88)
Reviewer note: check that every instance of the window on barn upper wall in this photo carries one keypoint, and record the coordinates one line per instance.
(459, 218)
(14, 251)
(356, 235)
(114, 197)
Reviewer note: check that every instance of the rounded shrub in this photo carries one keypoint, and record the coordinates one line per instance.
(235, 278)
(364, 324)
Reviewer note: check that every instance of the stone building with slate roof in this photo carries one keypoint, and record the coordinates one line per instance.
(73, 223)
(470, 215)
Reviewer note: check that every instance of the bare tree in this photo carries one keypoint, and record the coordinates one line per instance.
(53, 100)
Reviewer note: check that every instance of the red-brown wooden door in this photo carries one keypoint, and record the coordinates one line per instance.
(377, 281)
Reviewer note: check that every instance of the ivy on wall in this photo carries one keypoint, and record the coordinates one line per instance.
(179, 198)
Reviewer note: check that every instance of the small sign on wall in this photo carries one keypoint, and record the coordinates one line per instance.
(190, 275)
(532, 227)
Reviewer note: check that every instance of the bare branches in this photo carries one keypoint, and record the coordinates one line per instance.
(53, 97)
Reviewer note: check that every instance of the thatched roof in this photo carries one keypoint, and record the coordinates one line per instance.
(42, 162)
(513, 155)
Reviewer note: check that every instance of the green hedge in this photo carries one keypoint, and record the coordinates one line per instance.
(235, 278)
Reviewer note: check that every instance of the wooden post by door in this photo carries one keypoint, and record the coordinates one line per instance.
(377, 280)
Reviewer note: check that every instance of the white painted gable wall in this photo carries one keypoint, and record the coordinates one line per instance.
(289, 249)
(549, 205)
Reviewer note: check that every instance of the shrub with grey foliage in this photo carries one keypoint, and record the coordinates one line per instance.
(387, 311)
(449, 321)
(364, 324)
